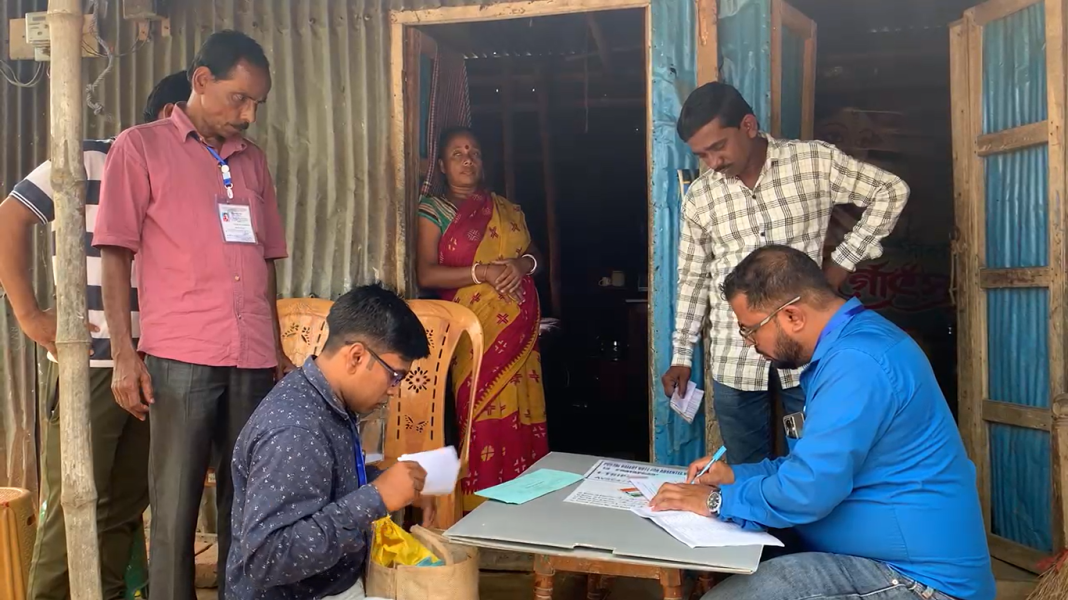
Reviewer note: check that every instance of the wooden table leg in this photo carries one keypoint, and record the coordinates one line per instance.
(705, 582)
(671, 581)
(543, 577)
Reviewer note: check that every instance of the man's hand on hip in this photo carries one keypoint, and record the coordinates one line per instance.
(129, 381)
(676, 378)
(836, 274)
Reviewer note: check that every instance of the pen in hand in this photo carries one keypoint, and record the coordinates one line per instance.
(718, 455)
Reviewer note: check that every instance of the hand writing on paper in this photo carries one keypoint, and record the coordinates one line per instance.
(718, 474)
(400, 485)
(682, 496)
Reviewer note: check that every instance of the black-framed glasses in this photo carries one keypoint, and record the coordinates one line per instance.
(748, 332)
(395, 376)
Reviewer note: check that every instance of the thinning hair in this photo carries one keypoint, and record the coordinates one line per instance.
(709, 102)
(773, 275)
(378, 317)
(172, 89)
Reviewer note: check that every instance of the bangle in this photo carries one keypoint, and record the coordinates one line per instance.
(474, 275)
(533, 260)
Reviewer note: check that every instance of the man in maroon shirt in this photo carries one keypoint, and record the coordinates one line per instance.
(209, 327)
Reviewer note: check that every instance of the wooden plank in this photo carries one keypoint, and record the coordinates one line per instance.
(960, 121)
(1008, 140)
(1016, 278)
(977, 338)
(997, 9)
(1055, 100)
(509, 10)
(1015, 554)
(555, 283)
(604, 52)
(507, 130)
(707, 41)
(776, 68)
(1059, 448)
(795, 20)
(397, 145)
(808, 86)
(1017, 415)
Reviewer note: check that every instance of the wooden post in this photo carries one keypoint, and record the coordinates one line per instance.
(72, 333)
(508, 130)
(550, 191)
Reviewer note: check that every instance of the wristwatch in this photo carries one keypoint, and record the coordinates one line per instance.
(714, 501)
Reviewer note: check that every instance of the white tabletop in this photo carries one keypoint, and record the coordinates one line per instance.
(548, 525)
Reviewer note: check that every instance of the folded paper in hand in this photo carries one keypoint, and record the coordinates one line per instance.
(530, 485)
(442, 468)
(687, 405)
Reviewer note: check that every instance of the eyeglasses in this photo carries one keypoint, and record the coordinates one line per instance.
(395, 376)
(748, 332)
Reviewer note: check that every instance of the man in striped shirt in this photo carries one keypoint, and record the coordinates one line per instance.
(758, 191)
(119, 441)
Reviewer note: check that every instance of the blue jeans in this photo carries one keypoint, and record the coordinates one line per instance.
(818, 575)
(744, 419)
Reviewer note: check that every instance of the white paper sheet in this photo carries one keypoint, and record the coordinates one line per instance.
(610, 484)
(687, 405)
(442, 469)
(649, 486)
(705, 532)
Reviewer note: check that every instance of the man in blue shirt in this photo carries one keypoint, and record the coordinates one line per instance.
(304, 501)
(877, 484)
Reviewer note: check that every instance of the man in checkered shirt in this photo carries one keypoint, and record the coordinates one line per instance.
(757, 191)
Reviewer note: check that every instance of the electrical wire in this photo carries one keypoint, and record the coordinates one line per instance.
(90, 90)
(9, 75)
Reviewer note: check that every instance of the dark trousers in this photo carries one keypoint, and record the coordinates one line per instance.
(196, 408)
(120, 464)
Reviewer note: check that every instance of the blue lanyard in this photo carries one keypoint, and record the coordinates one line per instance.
(837, 321)
(361, 469)
(224, 168)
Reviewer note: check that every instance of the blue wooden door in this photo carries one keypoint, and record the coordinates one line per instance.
(1008, 98)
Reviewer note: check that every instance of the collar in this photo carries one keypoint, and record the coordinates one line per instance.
(315, 377)
(833, 330)
(774, 154)
(185, 130)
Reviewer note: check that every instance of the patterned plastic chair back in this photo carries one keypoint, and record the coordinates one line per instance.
(416, 420)
(303, 325)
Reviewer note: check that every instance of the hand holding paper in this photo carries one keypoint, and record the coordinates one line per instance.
(442, 469)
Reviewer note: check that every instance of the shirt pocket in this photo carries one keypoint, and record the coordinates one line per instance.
(258, 209)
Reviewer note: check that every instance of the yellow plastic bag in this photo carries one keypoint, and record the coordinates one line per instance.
(392, 545)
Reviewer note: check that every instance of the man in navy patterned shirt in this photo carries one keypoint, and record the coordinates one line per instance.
(303, 500)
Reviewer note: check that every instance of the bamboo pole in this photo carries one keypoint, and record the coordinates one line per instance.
(72, 337)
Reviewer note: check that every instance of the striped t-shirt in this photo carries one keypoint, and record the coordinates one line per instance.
(35, 192)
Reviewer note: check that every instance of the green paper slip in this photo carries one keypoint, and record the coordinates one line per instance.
(529, 486)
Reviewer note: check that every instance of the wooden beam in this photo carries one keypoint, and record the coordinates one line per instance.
(794, 19)
(563, 77)
(992, 10)
(776, 70)
(533, 107)
(603, 51)
(507, 131)
(1015, 278)
(550, 197)
(1015, 554)
(508, 10)
(707, 41)
(1016, 138)
(1018, 415)
(1056, 73)
(399, 121)
(808, 86)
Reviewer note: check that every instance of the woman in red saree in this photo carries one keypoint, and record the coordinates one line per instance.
(475, 249)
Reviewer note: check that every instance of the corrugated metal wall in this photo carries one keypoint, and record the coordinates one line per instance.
(325, 130)
(745, 52)
(1014, 94)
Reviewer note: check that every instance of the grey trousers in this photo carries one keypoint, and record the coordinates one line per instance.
(196, 408)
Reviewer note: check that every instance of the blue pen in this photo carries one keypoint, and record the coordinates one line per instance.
(718, 455)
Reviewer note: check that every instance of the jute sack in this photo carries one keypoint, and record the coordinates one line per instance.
(457, 579)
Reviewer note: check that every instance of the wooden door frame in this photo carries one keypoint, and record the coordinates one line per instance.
(972, 279)
(404, 180)
(783, 17)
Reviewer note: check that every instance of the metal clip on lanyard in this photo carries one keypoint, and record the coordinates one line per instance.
(224, 168)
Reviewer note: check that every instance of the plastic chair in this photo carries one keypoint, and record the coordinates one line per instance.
(18, 530)
(302, 322)
(416, 420)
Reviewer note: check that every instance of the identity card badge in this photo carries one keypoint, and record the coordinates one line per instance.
(235, 217)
